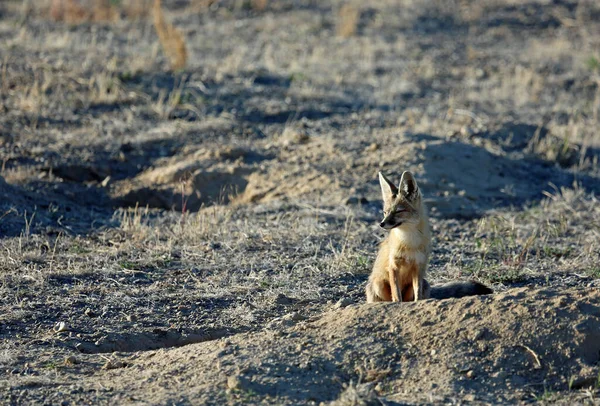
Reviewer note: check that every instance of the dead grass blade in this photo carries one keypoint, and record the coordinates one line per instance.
(347, 23)
(171, 39)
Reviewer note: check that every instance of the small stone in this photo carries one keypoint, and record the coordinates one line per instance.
(291, 136)
(293, 317)
(373, 147)
(466, 315)
(71, 360)
(114, 365)
(466, 131)
(131, 317)
(90, 313)
(477, 335)
(433, 352)
(470, 374)
(342, 303)
(234, 382)
(60, 327)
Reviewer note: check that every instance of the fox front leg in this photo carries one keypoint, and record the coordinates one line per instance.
(418, 287)
(396, 296)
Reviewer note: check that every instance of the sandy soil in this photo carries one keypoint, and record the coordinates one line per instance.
(204, 236)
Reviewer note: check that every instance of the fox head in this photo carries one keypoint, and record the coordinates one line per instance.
(402, 204)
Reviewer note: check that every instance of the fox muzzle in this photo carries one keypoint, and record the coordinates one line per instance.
(389, 222)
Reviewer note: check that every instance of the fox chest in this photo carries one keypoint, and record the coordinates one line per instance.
(407, 258)
(407, 249)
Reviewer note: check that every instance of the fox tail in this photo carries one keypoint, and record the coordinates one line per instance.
(459, 289)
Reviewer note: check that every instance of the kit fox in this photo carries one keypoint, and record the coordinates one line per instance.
(399, 270)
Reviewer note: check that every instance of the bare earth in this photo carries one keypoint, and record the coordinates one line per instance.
(204, 236)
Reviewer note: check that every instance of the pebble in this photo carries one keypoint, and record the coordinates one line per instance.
(114, 365)
(342, 303)
(60, 326)
(71, 360)
(293, 317)
(234, 382)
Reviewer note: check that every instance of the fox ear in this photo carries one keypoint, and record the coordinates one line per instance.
(388, 190)
(408, 186)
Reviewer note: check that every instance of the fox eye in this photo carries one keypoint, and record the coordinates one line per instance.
(400, 210)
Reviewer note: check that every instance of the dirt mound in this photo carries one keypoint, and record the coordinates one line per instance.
(512, 345)
(306, 167)
(240, 174)
(207, 176)
(280, 185)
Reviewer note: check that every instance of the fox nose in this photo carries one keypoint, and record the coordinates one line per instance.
(382, 224)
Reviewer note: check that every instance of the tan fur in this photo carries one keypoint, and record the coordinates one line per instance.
(401, 264)
(171, 39)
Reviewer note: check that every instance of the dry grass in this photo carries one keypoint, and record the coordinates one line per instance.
(33, 97)
(105, 88)
(260, 5)
(81, 11)
(555, 241)
(555, 149)
(347, 21)
(245, 265)
(68, 11)
(168, 102)
(73, 12)
(137, 9)
(520, 85)
(171, 39)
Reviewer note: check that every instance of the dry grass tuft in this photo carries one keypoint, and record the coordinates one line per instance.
(68, 11)
(79, 11)
(259, 4)
(137, 9)
(104, 11)
(170, 38)
(347, 23)
(72, 12)
(555, 149)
